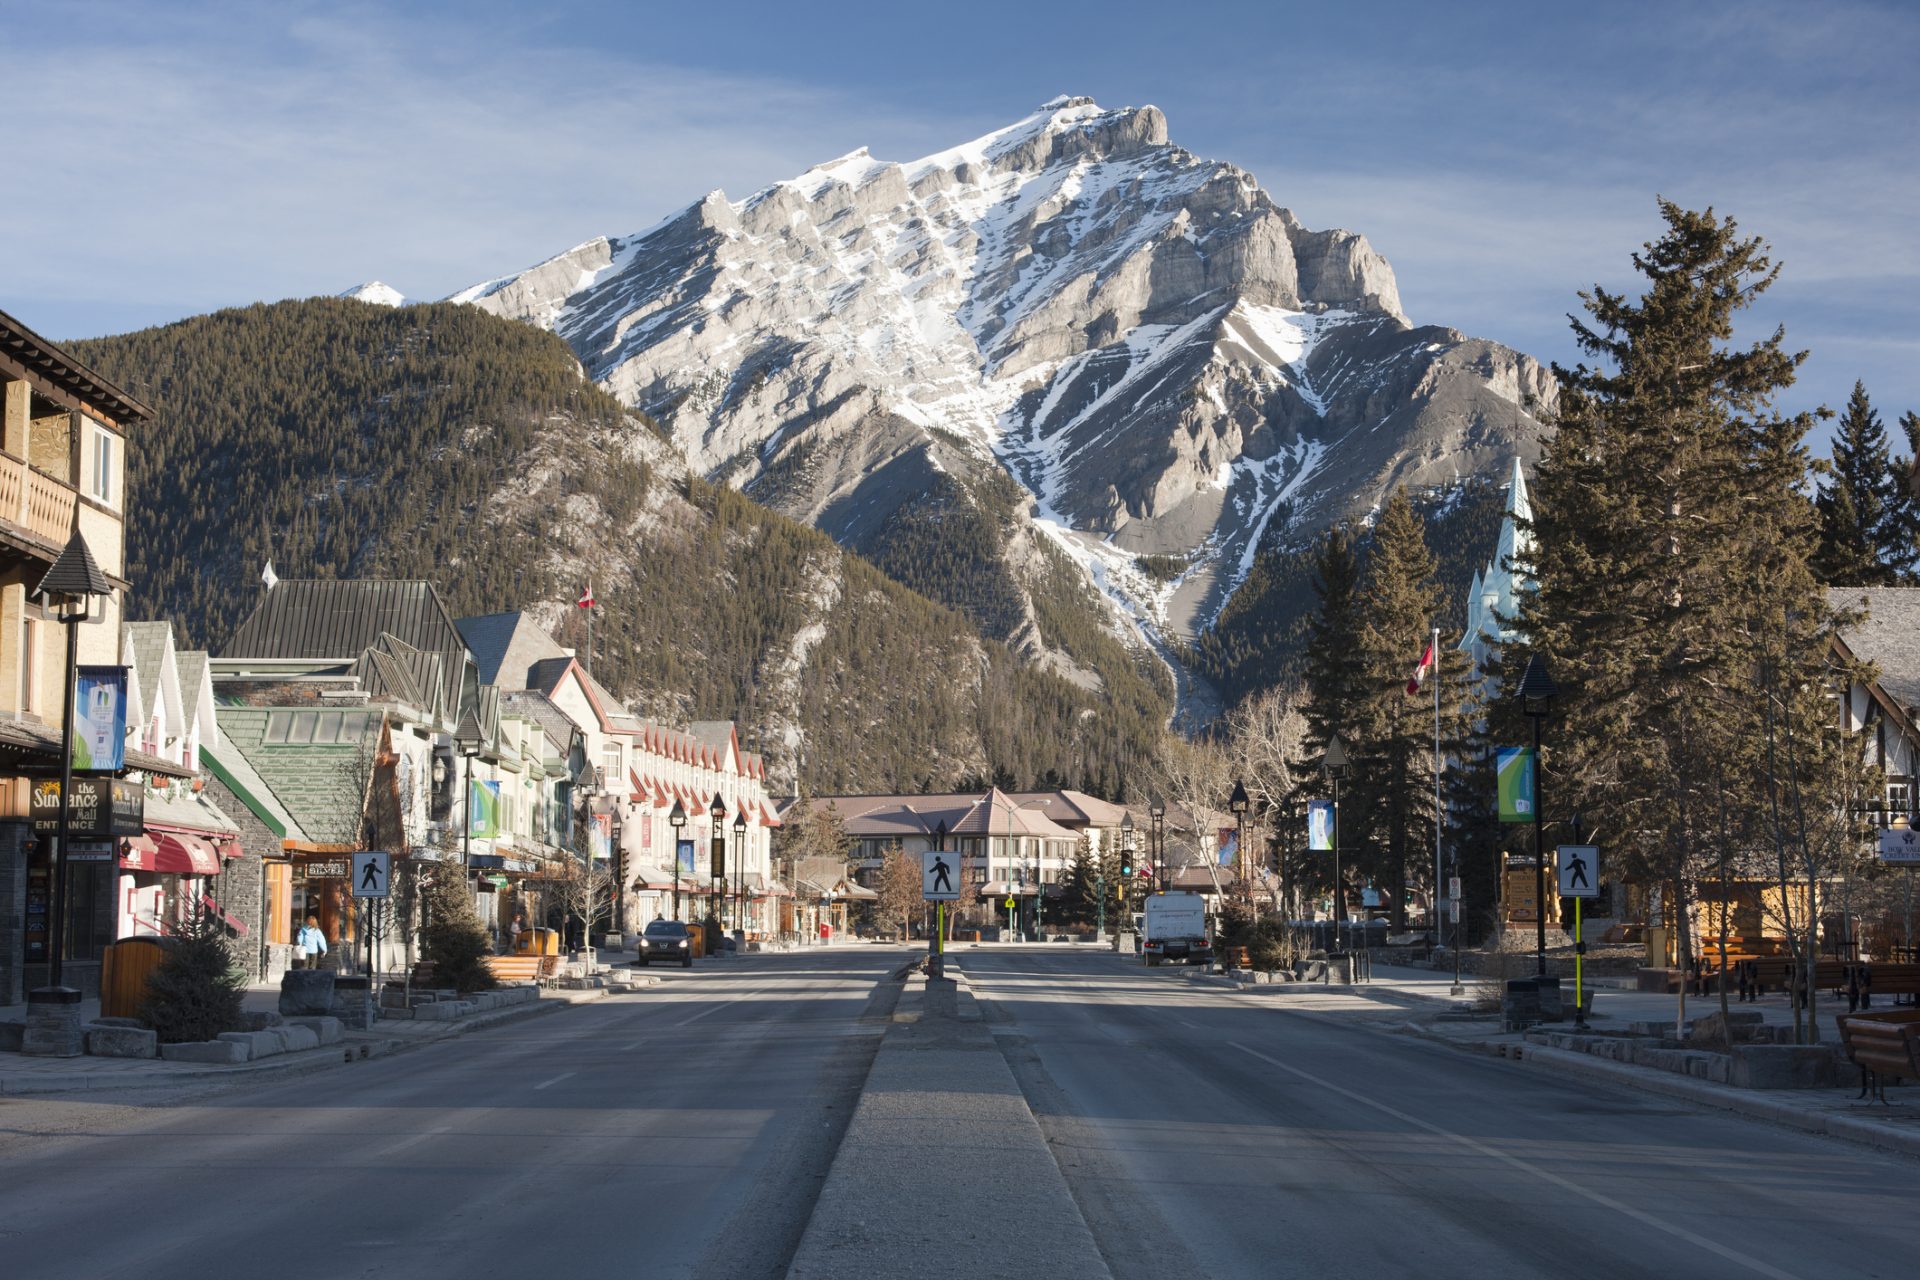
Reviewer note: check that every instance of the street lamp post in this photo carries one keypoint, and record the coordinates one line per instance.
(71, 585)
(467, 739)
(717, 896)
(1334, 762)
(1237, 805)
(740, 859)
(1126, 869)
(678, 821)
(1157, 810)
(1537, 689)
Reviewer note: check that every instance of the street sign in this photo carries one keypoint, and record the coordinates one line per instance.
(372, 869)
(1579, 871)
(1453, 910)
(1453, 887)
(1900, 846)
(940, 875)
(1009, 902)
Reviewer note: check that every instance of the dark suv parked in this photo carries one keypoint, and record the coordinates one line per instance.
(666, 940)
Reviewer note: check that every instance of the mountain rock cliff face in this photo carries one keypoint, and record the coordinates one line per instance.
(1165, 361)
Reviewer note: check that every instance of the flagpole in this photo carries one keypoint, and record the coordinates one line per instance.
(1438, 883)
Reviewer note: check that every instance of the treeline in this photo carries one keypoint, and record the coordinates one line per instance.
(343, 439)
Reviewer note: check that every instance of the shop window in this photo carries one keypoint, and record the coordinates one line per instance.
(1900, 798)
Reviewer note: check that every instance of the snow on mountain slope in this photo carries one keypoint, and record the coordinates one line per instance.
(383, 295)
(1167, 360)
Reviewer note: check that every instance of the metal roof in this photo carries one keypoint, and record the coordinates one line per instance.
(1888, 637)
(338, 619)
(75, 572)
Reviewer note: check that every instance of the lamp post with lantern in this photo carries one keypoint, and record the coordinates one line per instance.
(1335, 764)
(1537, 691)
(740, 863)
(678, 821)
(1157, 810)
(467, 740)
(717, 872)
(71, 585)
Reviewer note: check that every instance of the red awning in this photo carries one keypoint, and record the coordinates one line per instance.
(189, 855)
(137, 854)
(239, 927)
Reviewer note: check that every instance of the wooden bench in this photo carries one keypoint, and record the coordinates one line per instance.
(1883, 1045)
(539, 970)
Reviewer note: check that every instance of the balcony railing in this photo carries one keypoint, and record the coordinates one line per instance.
(35, 501)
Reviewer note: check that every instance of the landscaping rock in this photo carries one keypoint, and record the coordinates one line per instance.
(53, 1025)
(223, 1052)
(260, 1019)
(1707, 1031)
(114, 1041)
(260, 1044)
(1782, 1066)
(298, 1039)
(442, 1011)
(306, 992)
(135, 1023)
(11, 1036)
(327, 1030)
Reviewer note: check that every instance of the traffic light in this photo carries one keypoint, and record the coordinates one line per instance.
(1126, 862)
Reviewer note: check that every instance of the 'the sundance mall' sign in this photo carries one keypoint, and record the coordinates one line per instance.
(101, 807)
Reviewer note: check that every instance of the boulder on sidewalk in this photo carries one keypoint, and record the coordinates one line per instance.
(1782, 1066)
(260, 1044)
(306, 992)
(1709, 1032)
(326, 1030)
(221, 1052)
(259, 1019)
(106, 1040)
(298, 1039)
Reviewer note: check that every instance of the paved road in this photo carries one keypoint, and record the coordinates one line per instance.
(1205, 1133)
(683, 1132)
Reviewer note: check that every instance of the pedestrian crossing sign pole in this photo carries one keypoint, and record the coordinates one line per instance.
(939, 884)
(1579, 879)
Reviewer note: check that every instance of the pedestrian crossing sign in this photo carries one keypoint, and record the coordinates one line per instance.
(1579, 871)
(940, 875)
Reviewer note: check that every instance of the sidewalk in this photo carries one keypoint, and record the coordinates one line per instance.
(20, 1074)
(1835, 1112)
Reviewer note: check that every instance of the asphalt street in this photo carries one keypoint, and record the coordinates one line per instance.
(1209, 1133)
(681, 1132)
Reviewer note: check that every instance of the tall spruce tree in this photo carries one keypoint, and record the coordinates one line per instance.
(1673, 540)
(1865, 526)
(1333, 677)
(1392, 732)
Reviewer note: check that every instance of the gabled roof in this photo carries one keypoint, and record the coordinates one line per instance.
(146, 645)
(1888, 637)
(339, 619)
(237, 774)
(47, 363)
(505, 646)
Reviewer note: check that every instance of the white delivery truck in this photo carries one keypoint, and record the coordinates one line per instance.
(1176, 928)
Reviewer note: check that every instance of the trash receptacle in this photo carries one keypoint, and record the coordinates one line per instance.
(698, 935)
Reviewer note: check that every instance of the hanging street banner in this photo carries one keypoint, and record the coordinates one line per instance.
(1900, 846)
(1320, 826)
(483, 810)
(1513, 766)
(1229, 843)
(601, 827)
(100, 719)
(684, 853)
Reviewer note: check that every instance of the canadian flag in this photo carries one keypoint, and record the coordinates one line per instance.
(586, 597)
(1421, 672)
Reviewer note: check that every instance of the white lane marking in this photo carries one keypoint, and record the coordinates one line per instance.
(547, 1084)
(1530, 1169)
(715, 1008)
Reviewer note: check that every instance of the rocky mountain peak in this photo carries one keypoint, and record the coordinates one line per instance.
(1166, 359)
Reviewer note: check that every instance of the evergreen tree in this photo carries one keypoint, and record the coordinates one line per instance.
(1865, 525)
(452, 939)
(1672, 539)
(195, 991)
(1392, 734)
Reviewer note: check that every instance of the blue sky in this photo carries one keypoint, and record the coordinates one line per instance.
(183, 157)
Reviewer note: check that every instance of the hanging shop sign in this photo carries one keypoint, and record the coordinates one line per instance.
(100, 807)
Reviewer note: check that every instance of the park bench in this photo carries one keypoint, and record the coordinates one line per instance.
(1883, 1045)
(1868, 978)
(539, 970)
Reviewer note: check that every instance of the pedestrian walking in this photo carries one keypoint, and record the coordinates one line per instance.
(310, 944)
(516, 927)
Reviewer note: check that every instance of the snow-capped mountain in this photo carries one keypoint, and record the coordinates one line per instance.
(1169, 362)
(376, 292)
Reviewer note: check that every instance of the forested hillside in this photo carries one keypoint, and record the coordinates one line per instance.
(339, 438)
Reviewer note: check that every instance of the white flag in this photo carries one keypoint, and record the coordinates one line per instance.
(269, 577)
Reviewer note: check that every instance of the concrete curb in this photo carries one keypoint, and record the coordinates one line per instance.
(357, 1047)
(1720, 1097)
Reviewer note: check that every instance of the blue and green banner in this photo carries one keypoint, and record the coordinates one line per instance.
(100, 719)
(1320, 826)
(483, 810)
(1514, 767)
